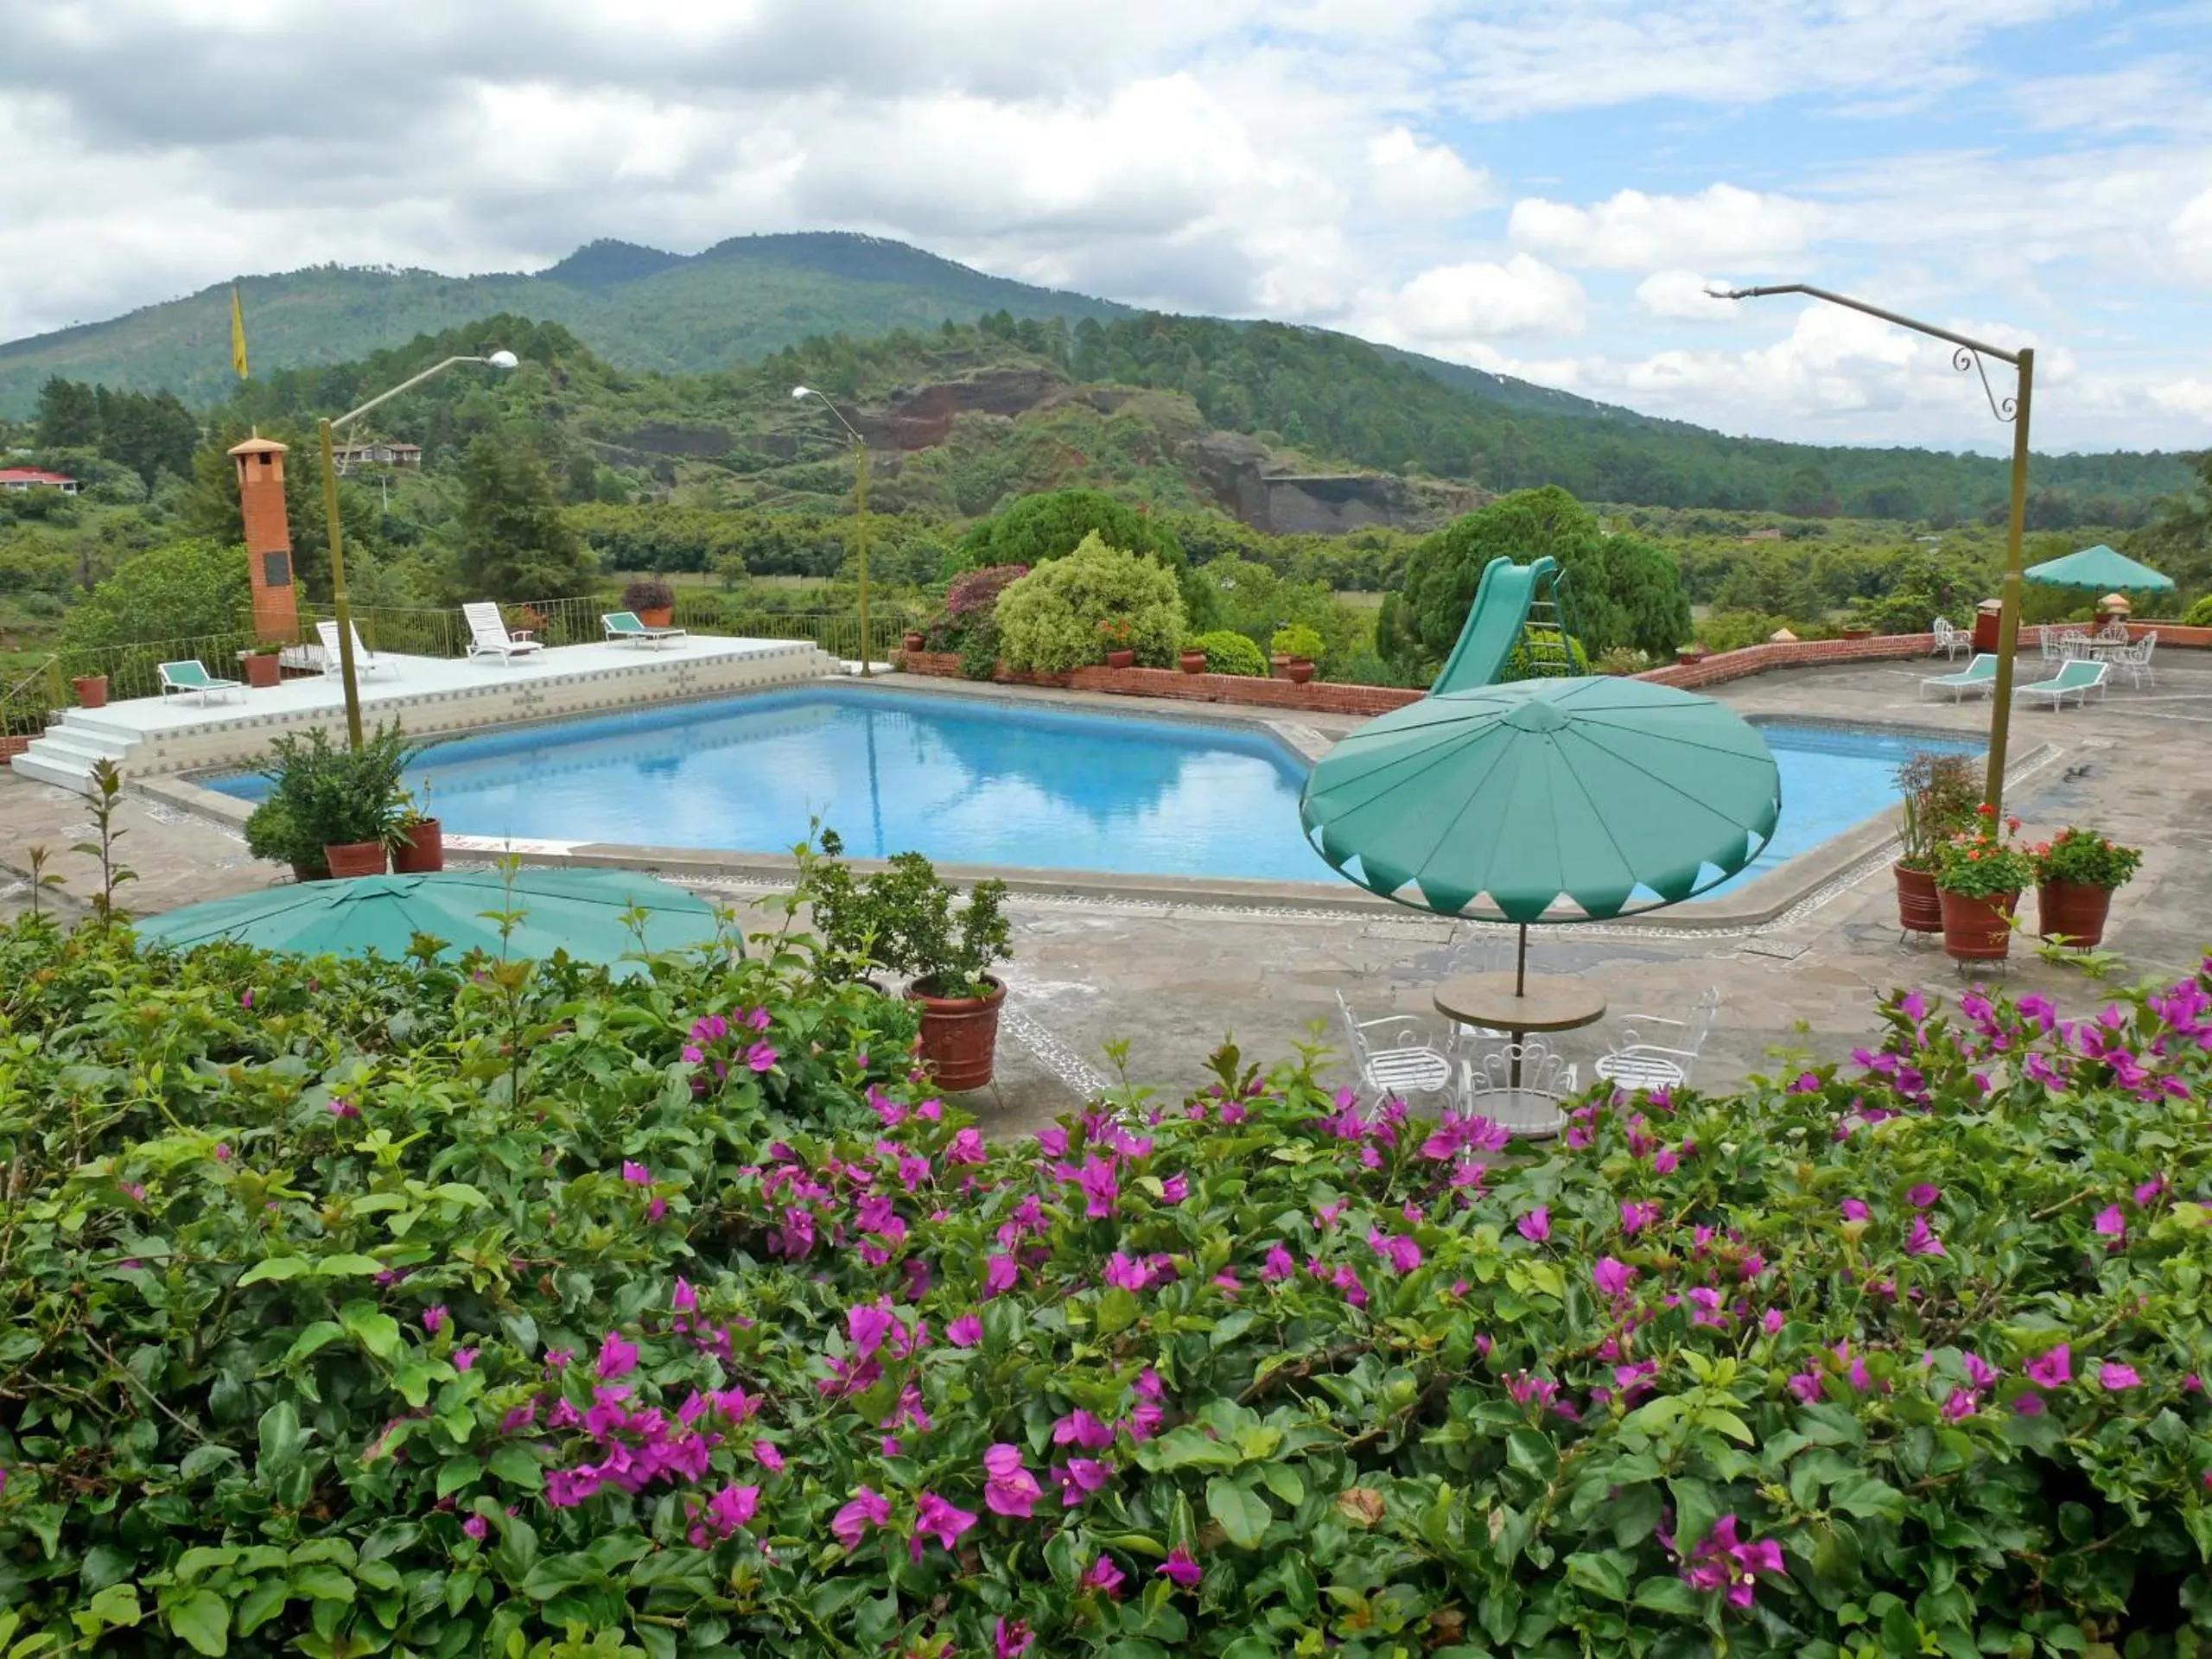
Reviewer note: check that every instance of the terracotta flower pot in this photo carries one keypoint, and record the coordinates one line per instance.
(311, 872)
(1297, 670)
(1120, 659)
(1691, 656)
(422, 850)
(1194, 662)
(1278, 665)
(1920, 909)
(264, 670)
(960, 1036)
(658, 616)
(1859, 633)
(2073, 910)
(351, 858)
(91, 689)
(1978, 930)
(916, 641)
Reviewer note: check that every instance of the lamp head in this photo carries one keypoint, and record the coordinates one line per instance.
(503, 359)
(800, 393)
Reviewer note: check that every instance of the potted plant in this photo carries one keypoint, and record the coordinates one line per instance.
(333, 811)
(915, 640)
(1296, 646)
(1194, 661)
(1978, 877)
(652, 600)
(264, 665)
(91, 689)
(2076, 871)
(419, 843)
(903, 919)
(1120, 642)
(1939, 793)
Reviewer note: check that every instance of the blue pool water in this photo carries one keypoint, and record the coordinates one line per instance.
(967, 781)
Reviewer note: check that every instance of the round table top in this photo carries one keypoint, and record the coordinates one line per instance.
(1549, 1002)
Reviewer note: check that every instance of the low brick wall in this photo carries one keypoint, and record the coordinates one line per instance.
(1316, 696)
(12, 746)
(1725, 666)
(2173, 633)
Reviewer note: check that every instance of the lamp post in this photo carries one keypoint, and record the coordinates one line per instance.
(1968, 355)
(800, 394)
(338, 603)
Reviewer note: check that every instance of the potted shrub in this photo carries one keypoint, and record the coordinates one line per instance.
(903, 919)
(1230, 652)
(1193, 659)
(651, 600)
(1296, 648)
(333, 811)
(418, 846)
(262, 665)
(1978, 877)
(91, 689)
(915, 640)
(1120, 640)
(1939, 794)
(2076, 871)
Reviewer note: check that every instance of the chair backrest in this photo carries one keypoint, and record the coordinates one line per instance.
(1700, 1024)
(1544, 1070)
(189, 674)
(1353, 1033)
(1983, 666)
(2146, 645)
(484, 624)
(328, 632)
(622, 622)
(2081, 673)
(1942, 629)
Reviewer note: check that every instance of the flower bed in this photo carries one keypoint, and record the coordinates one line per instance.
(381, 1308)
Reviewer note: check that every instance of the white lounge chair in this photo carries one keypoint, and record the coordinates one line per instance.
(2075, 679)
(1394, 1055)
(365, 660)
(1657, 1052)
(1950, 640)
(625, 626)
(1979, 676)
(488, 635)
(1536, 1105)
(188, 678)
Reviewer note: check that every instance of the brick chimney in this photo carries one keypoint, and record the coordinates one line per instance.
(268, 538)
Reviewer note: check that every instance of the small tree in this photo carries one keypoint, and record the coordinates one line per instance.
(182, 591)
(1048, 621)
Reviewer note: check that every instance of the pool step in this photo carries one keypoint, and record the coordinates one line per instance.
(71, 748)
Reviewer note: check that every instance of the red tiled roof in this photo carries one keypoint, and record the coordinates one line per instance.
(32, 475)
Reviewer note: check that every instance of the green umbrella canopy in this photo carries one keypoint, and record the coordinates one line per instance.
(580, 911)
(2099, 568)
(1547, 800)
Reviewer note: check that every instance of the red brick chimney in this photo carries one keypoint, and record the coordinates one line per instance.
(268, 538)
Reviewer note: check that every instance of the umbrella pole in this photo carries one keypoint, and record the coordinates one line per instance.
(1520, 965)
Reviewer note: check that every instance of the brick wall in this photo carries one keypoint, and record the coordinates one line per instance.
(1801, 653)
(12, 746)
(1313, 697)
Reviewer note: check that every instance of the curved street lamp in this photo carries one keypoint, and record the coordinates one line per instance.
(1968, 353)
(799, 395)
(338, 603)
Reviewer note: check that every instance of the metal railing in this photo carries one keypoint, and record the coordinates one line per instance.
(130, 671)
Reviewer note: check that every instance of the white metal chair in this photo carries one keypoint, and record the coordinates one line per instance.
(1394, 1055)
(1657, 1052)
(2134, 660)
(365, 660)
(1537, 1104)
(1950, 640)
(488, 635)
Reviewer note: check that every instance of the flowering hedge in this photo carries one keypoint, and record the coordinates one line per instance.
(381, 1309)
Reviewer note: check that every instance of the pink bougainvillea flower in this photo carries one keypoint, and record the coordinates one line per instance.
(1279, 1264)
(1772, 1321)
(464, 1359)
(566, 1488)
(1008, 1488)
(768, 1456)
(434, 1318)
(1635, 1218)
(1096, 1178)
(1124, 1275)
(1924, 1196)
(616, 1358)
(1721, 1562)
(1962, 1404)
(1536, 1225)
(1175, 1189)
(1104, 1576)
(2113, 1376)
(1612, 1276)
(1855, 1210)
(2029, 1405)
(1180, 1569)
(1080, 1427)
(1052, 1142)
(1808, 1387)
(868, 1509)
(1401, 1252)
(761, 1057)
(636, 1173)
(2144, 1194)
(936, 1518)
(342, 1107)
(1078, 1478)
(967, 1147)
(1979, 1370)
(1012, 1641)
(2050, 1369)
(686, 1300)
(1923, 1239)
(2112, 1225)
(1001, 1275)
(475, 1527)
(966, 1332)
(866, 1325)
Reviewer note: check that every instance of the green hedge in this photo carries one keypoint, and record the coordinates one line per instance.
(1230, 654)
(500, 1310)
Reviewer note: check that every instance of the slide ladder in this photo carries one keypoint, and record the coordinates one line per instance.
(1544, 629)
(1515, 605)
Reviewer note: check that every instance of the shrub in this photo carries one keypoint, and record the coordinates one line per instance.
(648, 593)
(1230, 653)
(1939, 794)
(902, 919)
(1983, 865)
(324, 795)
(2199, 615)
(2086, 858)
(187, 590)
(1297, 641)
(1519, 666)
(662, 1316)
(979, 650)
(1621, 661)
(1048, 620)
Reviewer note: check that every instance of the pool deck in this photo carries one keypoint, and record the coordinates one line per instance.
(148, 736)
(1175, 972)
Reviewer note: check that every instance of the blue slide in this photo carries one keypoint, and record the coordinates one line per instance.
(1494, 626)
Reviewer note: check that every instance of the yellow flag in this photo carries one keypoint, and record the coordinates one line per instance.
(238, 332)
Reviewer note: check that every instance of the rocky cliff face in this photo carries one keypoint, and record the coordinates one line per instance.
(1251, 484)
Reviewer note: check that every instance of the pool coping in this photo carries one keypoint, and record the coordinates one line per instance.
(1759, 901)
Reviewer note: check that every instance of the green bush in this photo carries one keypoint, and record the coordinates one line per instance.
(1230, 654)
(2199, 615)
(1048, 620)
(185, 591)
(1518, 665)
(1297, 641)
(397, 1307)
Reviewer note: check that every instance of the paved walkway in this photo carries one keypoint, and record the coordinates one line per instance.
(1176, 979)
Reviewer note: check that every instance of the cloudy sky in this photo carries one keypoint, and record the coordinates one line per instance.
(1540, 186)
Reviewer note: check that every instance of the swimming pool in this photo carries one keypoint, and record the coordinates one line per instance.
(967, 780)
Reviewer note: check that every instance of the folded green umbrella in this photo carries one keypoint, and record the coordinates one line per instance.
(580, 911)
(1546, 800)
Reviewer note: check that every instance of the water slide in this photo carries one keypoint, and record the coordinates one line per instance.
(1494, 626)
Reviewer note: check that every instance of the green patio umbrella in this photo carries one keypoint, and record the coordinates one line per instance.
(1547, 800)
(2098, 567)
(580, 911)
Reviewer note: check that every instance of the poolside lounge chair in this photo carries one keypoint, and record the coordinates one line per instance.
(1950, 640)
(189, 678)
(1979, 676)
(624, 625)
(365, 660)
(488, 635)
(2075, 679)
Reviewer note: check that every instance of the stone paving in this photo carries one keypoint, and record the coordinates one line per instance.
(1174, 979)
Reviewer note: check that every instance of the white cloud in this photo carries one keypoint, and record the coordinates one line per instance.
(2191, 396)
(1631, 230)
(1457, 308)
(1410, 176)
(2192, 234)
(1684, 295)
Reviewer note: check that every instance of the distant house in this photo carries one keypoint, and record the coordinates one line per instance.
(24, 478)
(378, 453)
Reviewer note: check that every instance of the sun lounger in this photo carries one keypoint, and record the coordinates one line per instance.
(2075, 679)
(1979, 676)
(624, 625)
(189, 678)
(488, 635)
(365, 660)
